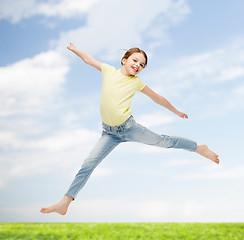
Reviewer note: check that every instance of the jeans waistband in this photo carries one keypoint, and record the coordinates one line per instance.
(122, 127)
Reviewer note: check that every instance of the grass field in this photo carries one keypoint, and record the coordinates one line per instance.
(123, 231)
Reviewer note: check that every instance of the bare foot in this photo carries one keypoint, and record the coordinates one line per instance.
(60, 208)
(205, 152)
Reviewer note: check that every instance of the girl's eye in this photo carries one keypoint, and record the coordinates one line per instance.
(141, 65)
(134, 60)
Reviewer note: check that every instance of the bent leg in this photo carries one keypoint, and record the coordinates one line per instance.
(103, 147)
(138, 133)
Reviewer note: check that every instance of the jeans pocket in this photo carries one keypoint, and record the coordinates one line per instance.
(104, 129)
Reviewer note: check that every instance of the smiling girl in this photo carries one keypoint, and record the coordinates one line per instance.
(118, 88)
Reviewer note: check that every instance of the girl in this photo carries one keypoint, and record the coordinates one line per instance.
(119, 86)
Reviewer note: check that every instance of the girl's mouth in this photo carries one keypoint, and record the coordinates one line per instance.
(135, 69)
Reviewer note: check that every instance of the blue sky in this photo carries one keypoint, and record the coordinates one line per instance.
(49, 118)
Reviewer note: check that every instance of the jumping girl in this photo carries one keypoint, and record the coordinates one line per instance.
(118, 88)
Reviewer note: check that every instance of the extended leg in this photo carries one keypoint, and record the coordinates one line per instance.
(141, 134)
(104, 146)
(138, 133)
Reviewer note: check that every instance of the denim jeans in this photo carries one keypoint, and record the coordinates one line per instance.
(130, 131)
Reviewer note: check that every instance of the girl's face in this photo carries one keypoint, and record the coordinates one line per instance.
(133, 64)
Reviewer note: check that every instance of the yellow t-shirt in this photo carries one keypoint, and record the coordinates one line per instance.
(117, 92)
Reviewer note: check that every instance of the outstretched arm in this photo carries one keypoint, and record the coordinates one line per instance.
(162, 101)
(88, 59)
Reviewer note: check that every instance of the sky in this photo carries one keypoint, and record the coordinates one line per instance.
(50, 120)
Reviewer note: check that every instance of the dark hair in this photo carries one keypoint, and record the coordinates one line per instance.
(133, 50)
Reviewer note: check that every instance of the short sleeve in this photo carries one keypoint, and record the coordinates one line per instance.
(106, 68)
(141, 84)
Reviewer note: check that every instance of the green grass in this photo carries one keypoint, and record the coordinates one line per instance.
(123, 231)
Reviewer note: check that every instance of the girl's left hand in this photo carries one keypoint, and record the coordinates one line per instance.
(182, 115)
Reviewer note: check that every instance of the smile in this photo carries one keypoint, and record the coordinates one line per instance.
(135, 69)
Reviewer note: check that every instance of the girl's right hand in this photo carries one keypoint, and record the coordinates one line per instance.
(71, 47)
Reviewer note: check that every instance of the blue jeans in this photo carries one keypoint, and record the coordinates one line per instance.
(130, 131)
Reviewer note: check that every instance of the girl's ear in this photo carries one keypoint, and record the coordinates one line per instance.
(123, 61)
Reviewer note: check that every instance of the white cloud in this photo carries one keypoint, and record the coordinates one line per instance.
(178, 11)
(154, 211)
(155, 119)
(211, 68)
(217, 172)
(31, 83)
(37, 155)
(123, 210)
(236, 98)
(183, 162)
(64, 140)
(231, 73)
(65, 8)
(103, 172)
(1, 184)
(61, 140)
(9, 139)
(214, 75)
(18, 10)
(112, 25)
